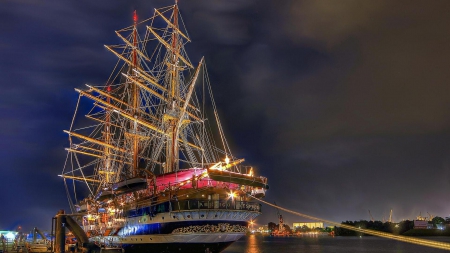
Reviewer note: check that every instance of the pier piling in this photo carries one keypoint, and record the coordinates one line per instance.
(60, 233)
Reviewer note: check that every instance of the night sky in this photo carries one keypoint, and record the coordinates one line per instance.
(343, 105)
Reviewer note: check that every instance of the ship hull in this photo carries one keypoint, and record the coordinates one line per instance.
(171, 243)
(177, 247)
(211, 247)
(180, 232)
(186, 241)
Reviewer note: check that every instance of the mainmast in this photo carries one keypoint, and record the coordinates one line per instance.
(175, 50)
(135, 101)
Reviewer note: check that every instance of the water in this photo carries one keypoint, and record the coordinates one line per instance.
(328, 244)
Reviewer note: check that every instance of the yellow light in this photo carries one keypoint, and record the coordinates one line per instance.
(227, 160)
(231, 195)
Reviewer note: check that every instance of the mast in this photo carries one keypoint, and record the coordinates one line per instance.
(135, 102)
(172, 120)
(107, 135)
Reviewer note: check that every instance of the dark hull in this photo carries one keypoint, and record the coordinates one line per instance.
(174, 237)
(176, 247)
(166, 248)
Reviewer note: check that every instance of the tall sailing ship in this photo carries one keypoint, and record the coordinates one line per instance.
(146, 169)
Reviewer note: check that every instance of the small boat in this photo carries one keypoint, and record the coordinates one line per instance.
(130, 185)
(238, 178)
(104, 195)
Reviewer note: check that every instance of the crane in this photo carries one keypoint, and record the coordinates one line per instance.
(420, 217)
(431, 216)
(280, 217)
(371, 217)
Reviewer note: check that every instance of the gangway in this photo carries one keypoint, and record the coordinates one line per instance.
(36, 231)
(63, 221)
(38, 245)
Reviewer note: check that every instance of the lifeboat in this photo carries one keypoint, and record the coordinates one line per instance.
(104, 195)
(130, 185)
(238, 178)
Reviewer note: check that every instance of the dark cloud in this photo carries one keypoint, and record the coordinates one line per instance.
(343, 105)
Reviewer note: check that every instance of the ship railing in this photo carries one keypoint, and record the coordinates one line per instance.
(194, 204)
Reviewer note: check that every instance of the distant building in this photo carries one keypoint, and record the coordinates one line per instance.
(10, 235)
(263, 229)
(310, 225)
(420, 224)
(440, 226)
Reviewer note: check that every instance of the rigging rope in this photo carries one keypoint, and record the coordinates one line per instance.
(219, 125)
(418, 241)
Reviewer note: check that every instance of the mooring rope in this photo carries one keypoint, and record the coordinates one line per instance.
(418, 241)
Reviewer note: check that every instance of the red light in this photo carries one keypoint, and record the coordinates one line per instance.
(135, 16)
(109, 88)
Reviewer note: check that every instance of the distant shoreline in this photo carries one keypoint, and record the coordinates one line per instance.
(413, 233)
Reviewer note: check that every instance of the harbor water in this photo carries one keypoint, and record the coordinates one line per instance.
(328, 244)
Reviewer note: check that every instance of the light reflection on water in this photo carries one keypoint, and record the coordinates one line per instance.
(327, 244)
